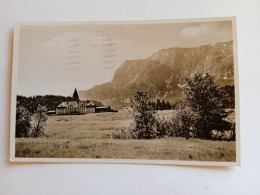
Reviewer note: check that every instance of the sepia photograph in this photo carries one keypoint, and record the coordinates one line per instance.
(149, 92)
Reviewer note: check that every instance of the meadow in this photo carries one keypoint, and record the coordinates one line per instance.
(90, 136)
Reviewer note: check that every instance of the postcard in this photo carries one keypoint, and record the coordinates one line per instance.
(145, 92)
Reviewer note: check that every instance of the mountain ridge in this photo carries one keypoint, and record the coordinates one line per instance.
(164, 72)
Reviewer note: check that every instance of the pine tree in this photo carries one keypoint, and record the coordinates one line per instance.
(158, 104)
(163, 105)
(168, 106)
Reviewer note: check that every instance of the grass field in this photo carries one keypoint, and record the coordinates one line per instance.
(89, 136)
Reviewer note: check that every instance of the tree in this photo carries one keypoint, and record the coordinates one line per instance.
(143, 126)
(204, 98)
(158, 104)
(163, 105)
(154, 105)
(39, 121)
(168, 106)
(22, 125)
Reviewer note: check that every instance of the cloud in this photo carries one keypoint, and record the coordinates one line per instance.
(216, 31)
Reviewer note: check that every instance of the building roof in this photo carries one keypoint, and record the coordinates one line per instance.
(83, 103)
(63, 104)
(95, 103)
(74, 104)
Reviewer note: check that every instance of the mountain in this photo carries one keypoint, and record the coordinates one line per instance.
(163, 74)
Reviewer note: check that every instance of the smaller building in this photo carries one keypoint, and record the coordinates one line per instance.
(51, 112)
(101, 109)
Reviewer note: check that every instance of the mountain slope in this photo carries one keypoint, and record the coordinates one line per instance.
(164, 73)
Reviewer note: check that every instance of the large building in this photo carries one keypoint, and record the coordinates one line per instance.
(80, 107)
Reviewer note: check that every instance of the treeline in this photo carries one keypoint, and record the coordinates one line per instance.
(160, 105)
(49, 101)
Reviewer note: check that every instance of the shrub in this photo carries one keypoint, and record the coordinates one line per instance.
(227, 135)
(23, 118)
(125, 134)
(39, 121)
(184, 121)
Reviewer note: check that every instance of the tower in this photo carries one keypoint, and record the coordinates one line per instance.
(75, 95)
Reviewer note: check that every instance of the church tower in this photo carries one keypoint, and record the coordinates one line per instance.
(75, 95)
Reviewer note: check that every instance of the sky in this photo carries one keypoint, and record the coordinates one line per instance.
(56, 59)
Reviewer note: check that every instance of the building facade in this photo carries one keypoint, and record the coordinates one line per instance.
(80, 107)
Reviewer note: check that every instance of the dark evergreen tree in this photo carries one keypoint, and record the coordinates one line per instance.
(158, 104)
(168, 106)
(163, 105)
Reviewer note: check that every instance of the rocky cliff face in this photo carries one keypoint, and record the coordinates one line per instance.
(164, 73)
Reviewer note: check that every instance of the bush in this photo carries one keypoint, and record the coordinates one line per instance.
(227, 135)
(185, 121)
(39, 121)
(23, 118)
